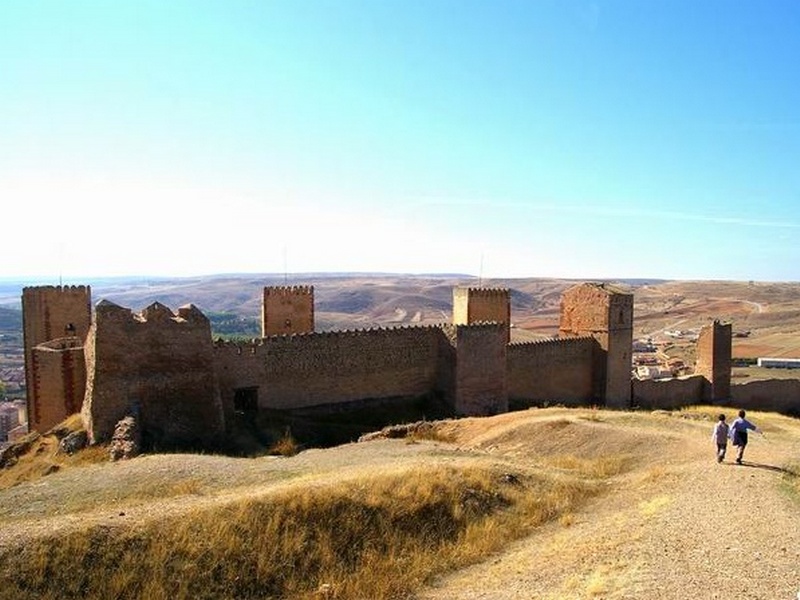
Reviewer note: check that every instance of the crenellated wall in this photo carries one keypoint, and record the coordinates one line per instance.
(186, 389)
(305, 370)
(59, 380)
(49, 313)
(551, 370)
(158, 365)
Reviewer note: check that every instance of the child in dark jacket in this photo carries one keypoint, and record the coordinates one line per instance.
(720, 437)
(739, 434)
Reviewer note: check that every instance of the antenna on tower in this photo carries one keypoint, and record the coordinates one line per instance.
(285, 271)
(480, 273)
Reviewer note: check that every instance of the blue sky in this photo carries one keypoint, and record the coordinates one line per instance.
(646, 138)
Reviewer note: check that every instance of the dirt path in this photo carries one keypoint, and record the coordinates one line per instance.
(686, 527)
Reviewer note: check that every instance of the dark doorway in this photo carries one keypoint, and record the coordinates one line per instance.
(245, 400)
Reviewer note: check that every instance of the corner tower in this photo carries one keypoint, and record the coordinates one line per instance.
(52, 313)
(287, 309)
(714, 361)
(605, 313)
(476, 305)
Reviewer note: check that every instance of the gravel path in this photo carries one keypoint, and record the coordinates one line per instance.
(684, 528)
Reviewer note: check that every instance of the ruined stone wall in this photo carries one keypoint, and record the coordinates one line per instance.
(778, 395)
(714, 349)
(299, 371)
(479, 378)
(156, 365)
(558, 370)
(49, 313)
(59, 381)
(668, 394)
(286, 310)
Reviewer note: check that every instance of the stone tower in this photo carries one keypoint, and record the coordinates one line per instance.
(605, 313)
(714, 361)
(287, 309)
(58, 319)
(475, 305)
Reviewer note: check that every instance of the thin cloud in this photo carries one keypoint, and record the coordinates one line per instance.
(601, 211)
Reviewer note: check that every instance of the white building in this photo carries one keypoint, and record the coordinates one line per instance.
(779, 363)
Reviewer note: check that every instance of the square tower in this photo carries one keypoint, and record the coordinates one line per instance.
(482, 305)
(605, 313)
(51, 313)
(714, 360)
(287, 310)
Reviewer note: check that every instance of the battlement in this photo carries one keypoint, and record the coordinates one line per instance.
(484, 291)
(153, 313)
(50, 289)
(552, 342)
(289, 290)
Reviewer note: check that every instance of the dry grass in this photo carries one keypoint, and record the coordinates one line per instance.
(377, 538)
(42, 456)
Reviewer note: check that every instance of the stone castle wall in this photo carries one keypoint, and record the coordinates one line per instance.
(299, 371)
(558, 370)
(778, 395)
(480, 385)
(158, 366)
(668, 394)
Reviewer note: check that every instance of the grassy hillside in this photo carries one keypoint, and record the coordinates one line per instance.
(379, 519)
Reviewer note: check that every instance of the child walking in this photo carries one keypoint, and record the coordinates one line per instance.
(739, 434)
(720, 437)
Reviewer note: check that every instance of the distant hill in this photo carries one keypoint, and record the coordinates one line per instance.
(765, 316)
(10, 319)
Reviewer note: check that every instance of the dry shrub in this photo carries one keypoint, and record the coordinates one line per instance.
(286, 446)
(378, 538)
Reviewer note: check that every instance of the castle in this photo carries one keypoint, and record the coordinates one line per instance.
(186, 388)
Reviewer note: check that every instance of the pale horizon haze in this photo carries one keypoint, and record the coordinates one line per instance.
(538, 138)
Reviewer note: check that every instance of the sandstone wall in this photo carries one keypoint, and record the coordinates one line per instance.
(778, 395)
(480, 386)
(558, 370)
(59, 381)
(299, 371)
(669, 394)
(157, 365)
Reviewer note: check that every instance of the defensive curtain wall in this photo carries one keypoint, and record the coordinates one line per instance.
(464, 365)
(557, 370)
(185, 387)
